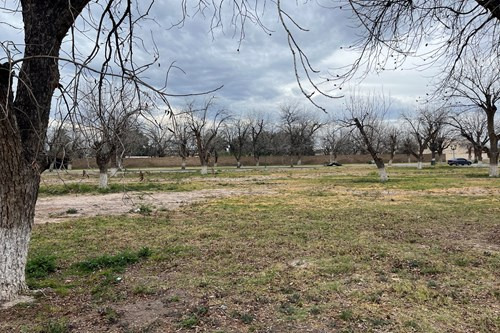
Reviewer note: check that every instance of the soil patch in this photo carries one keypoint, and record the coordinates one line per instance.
(63, 208)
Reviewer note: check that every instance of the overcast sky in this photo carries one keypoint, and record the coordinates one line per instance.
(260, 75)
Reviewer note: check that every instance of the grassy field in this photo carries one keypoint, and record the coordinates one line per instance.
(322, 250)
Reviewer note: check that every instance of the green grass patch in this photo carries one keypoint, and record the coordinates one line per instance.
(117, 262)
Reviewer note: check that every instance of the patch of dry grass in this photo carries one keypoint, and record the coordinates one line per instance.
(330, 250)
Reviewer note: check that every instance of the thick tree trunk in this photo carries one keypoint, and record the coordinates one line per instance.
(103, 179)
(493, 152)
(204, 169)
(103, 157)
(17, 210)
(420, 161)
(433, 158)
(257, 161)
(103, 176)
(183, 163)
(238, 164)
(383, 174)
(23, 128)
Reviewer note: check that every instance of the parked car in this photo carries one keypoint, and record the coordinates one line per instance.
(333, 164)
(459, 161)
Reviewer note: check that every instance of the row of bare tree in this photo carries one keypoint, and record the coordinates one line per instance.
(122, 127)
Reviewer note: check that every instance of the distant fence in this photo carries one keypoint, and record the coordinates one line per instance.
(174, 161)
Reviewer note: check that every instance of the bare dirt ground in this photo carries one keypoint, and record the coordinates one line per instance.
(62, 208)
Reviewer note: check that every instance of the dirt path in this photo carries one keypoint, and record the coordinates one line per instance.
(63, 208)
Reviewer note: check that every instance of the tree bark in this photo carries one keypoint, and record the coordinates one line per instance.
(17, 211)
(493, 151)
(23, 128)
(183, 164)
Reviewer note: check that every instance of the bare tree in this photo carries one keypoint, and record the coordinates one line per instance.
(300, 127)
(472, 126)
(159, 131)
(104, 119)
(477, 85)
(422, 129)
(182, 138)
(63, 146)
(335, 140)
(236, 135)
(440, 142)
(366, 114)
(257, 136)
(439, 31)
(204, 123)
(392, 138)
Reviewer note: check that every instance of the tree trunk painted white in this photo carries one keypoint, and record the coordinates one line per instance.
(70, 166)
(103, 179)
(238, 164)
(257, 164)
(13, 255)
(204, 169)
(51, 166)
(183, 164)
(390, 162)
(493, 169)
(299, 161)
(419, 165)
(383, 175)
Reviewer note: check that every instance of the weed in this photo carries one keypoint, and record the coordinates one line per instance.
(346, 315)
(411, 324)
(116, 262)
(145, 209)
(72, 211)
(189, 322)
(57, 326)
(40, 266)
(200, 311)
(109, 314)
(245, 318)
(143, 289)
(287, 309)
(315, 310)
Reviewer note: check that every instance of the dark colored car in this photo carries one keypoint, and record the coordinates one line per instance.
(459, 161)
(333, 164)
